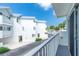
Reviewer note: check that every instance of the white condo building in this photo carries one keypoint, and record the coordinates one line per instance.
(6, 25)
(28, 28)
(16, 29)
(23, 31)
(41, 28)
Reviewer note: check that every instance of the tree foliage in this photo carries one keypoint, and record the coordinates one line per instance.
(60, 26)
(56, 28)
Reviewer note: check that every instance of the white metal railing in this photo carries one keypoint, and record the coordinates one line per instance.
(46, 48)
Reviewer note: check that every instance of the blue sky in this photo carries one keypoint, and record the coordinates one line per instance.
(40, 11)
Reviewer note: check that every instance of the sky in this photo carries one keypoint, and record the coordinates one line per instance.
(42, 11)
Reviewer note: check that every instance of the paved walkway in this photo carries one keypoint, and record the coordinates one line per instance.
(21, 50)
(63, 51)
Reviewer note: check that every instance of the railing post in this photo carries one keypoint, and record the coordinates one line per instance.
(40, 51)
(50, 43)
(47, 49)
(44, 51)
(38, 54)
(52, 47)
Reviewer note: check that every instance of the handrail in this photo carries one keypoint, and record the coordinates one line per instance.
(36, 49)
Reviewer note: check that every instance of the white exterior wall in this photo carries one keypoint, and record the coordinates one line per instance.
(64, 40)
(25, 28)
(28, 30)
(41, 28)
(0, 19)
(17, 30)
(1, 35)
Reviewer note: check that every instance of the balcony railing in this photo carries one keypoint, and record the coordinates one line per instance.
(46, 48)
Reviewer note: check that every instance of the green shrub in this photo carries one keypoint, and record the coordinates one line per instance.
(56, 28)
(3, 50)
(38, 39)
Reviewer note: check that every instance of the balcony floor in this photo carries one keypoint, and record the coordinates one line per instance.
(63, 51)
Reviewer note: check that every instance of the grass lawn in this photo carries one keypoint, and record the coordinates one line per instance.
(4, 49)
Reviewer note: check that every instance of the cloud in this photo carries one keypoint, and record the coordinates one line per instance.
(46, 6)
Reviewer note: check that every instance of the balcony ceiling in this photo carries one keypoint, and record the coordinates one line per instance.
(62, 9)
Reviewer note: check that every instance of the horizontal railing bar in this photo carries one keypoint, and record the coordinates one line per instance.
(34, 50)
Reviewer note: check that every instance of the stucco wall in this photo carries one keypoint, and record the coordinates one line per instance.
(41, 28)
(28, 30)
(63, 38)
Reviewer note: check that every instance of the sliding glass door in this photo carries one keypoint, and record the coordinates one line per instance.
(74, 31)
(71, 33)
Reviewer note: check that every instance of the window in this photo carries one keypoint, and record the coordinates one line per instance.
(9, 18)
(34, 28)
(8, 28)
(17, 20)
(46, 33)
(23, 28)
(20, 38)
(33, 35)
(38, 34)
(0, 13)
(1, 28)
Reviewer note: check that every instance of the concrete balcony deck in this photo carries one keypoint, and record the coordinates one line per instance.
(63, 51)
